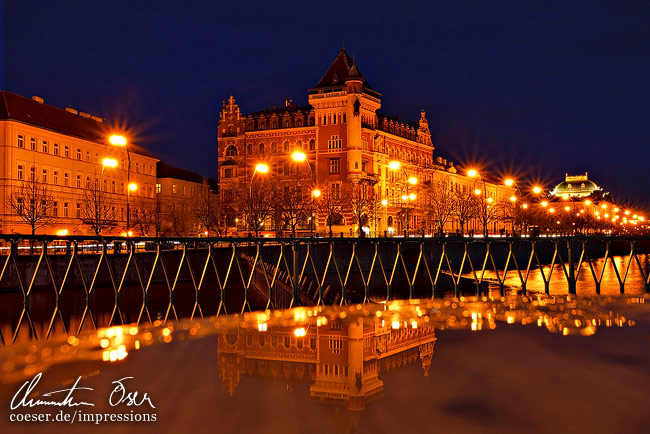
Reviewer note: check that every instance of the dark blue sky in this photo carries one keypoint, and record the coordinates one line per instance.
(539, 88)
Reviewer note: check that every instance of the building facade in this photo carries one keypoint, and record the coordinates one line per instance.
(348, 144)
(62, 151)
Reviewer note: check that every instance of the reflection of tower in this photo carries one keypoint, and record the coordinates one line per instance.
(426, 354)
(230, 361)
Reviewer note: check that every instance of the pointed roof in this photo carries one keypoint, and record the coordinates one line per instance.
(341, 69)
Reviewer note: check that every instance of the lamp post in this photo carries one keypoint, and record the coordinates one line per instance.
(119, 140)
(410, 180)
(300, 157)
(474, 174)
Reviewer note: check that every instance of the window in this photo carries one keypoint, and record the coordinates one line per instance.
(79, 181)
(87, 156)
(45, 148)
(113, 186)
(66, 209)
(66, 179)
(56, 149)
(227, 173)
(336, 190)
(44, 176)
(105, 185)
(20, 202)
(55, 209)
(334, 120)
(174, 185)
(78, 212)
(344, 118)
(312, 145)
(66, 151)
(32, 144)
(231, 151)
(183, 190)
(158, 188)
(335, 165)
(324, 120)
(78, 154)
(334, 142)
(137, 167)
(335, 345)
(285, 146)
(21, 141)
(286, 124)
(87, 181)
(32, 173)
(21, 171)
(56, 177)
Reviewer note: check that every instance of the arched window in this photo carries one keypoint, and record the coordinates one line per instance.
(285, 146)
(312, 145)
(286, 124)
(231, 129)
(262, 126)
(261, 148)
(274, 125)
(299, 144)
(249, 149)
(299, 122)
(273, 148)
(231, 151)
(312, 121)
(249, 127)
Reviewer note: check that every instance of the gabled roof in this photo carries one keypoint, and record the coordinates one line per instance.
(18, 108)
(341, 69)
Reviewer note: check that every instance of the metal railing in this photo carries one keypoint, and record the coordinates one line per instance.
(105, 281)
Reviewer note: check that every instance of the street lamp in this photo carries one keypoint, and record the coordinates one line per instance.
(410, 180)
(119, 140)
(300, 157)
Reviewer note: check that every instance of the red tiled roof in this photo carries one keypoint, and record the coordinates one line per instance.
(26, 110)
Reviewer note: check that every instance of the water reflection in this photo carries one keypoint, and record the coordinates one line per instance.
(342, 359)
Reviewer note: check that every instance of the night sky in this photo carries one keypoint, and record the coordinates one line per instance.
(534, 89)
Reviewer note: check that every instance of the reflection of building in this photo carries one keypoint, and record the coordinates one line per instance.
(576, 186)
(341, 359)
(64, 149)
(347, 142)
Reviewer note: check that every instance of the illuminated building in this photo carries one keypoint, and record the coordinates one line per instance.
(576, 186)
(342, 360)
(346, 142)
(64, 150)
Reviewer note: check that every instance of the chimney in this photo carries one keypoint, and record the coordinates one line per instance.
(38, 99)
(71, 110)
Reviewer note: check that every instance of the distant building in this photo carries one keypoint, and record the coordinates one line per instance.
(64, 149)
(576, 187)
(347, 142)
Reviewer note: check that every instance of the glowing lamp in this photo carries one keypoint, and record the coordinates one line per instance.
(566, 208)
(384, 202)
(117, 140)
(544, 204)
(133, 186)
(477, 192)
(109, 162)
(413, 180)
(412, 196)
(299, 156)
(404, 197)
(565, 196)
(513, 199)
(490, 200)
(587, 202)
(62, 232)
(472, 173)
(537, 190)
(524, 206)
(509, 182)
(394, 165)
(316, 192)
(551, 210)
(261, 168)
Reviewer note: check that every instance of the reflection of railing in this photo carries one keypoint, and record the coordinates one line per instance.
(325, 270)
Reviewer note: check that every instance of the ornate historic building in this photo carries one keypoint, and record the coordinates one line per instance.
(576, 186)
(347, 142)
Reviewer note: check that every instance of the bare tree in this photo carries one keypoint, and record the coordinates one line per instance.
(207, 210)
(488, 211)
(330, 205)
(32, 201)
(255, 201)
(146, 218)
(294, 204)
(438, 202)
(177, 217)
(360, 200)
(97, 210)
(464, 207)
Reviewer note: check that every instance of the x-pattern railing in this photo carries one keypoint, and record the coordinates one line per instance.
(358, 270)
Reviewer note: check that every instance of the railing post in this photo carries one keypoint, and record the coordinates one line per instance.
(296, 284)
(572, 277)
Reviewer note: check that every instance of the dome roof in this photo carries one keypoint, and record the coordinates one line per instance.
(579, 186)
